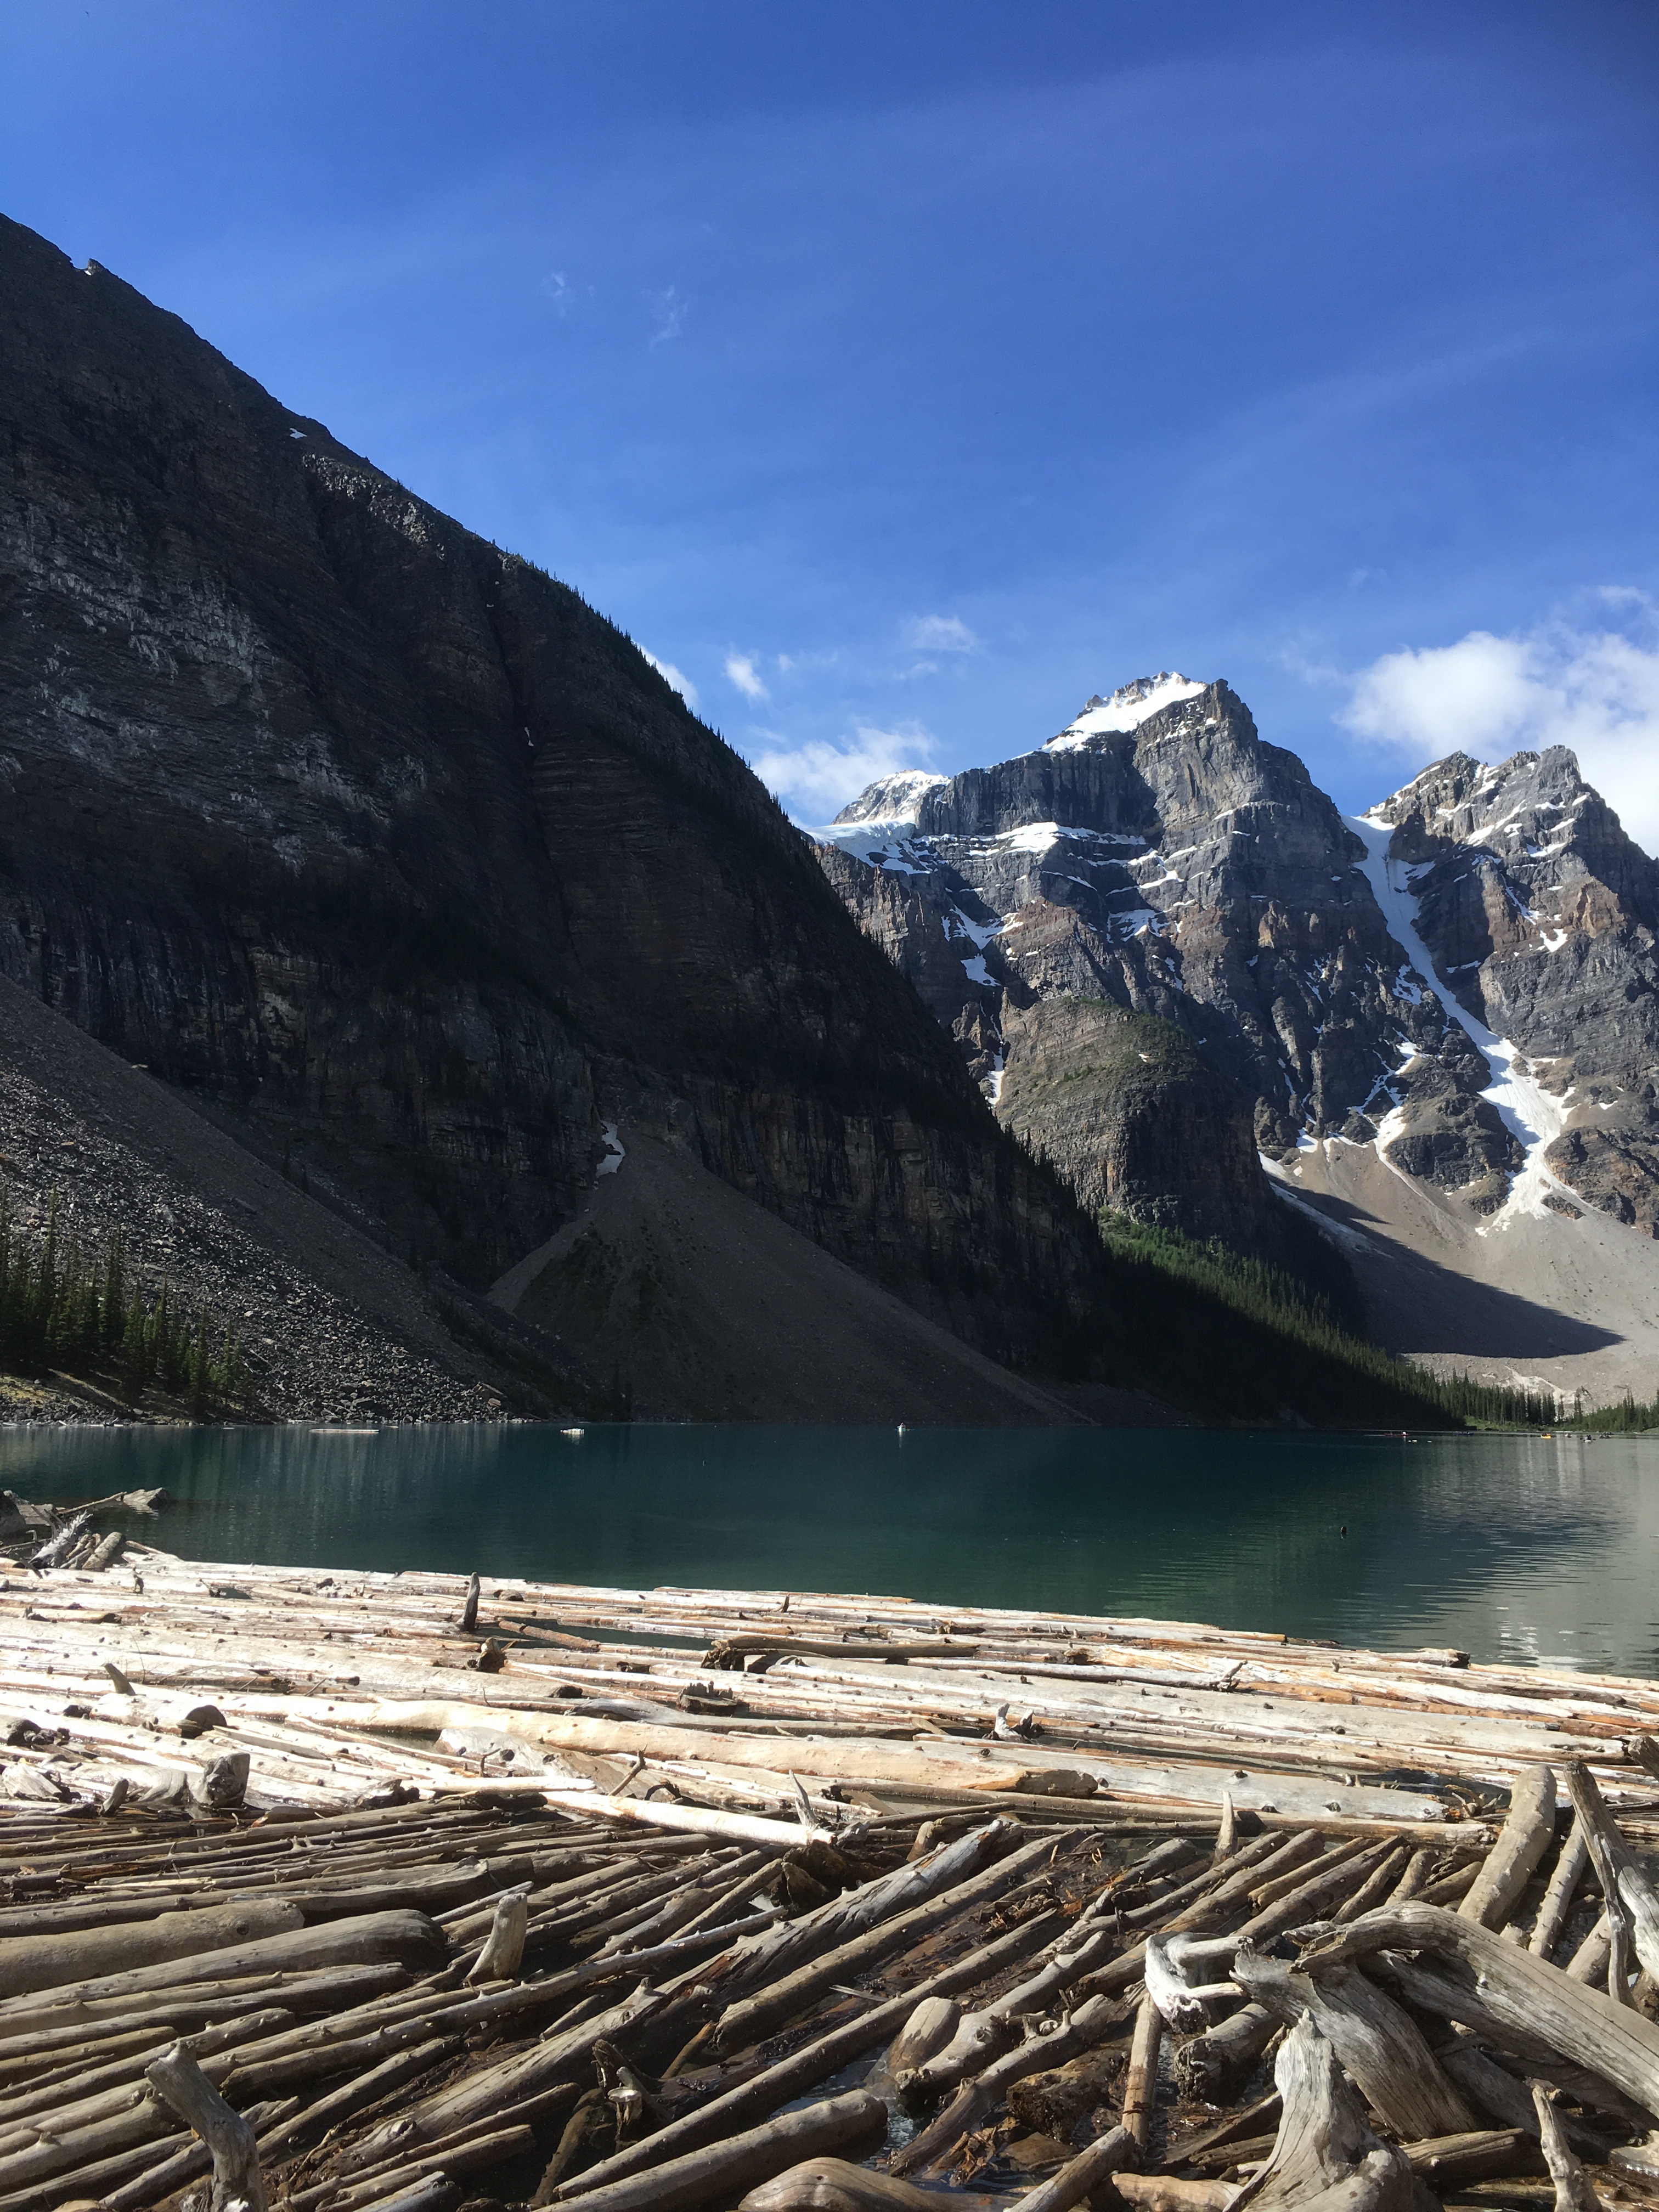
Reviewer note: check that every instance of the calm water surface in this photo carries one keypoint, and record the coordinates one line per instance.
(1511, 1547)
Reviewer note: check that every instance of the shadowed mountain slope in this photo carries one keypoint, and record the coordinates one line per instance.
(414, 873)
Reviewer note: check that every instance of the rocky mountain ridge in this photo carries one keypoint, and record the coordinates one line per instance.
(412, 872)
(1464, 980)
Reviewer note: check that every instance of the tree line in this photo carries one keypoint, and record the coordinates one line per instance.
(1295, 1346)
(61, 1307)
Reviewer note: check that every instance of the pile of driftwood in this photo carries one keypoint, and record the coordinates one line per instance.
(347, 1892)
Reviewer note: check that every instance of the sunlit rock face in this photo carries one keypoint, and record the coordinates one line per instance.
(1540, 915)
(1159, 856)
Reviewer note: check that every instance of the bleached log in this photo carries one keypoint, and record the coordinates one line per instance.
(1168, 2192)
(1379, 1888)
(1625, 1889)
(982, 2093)
(405, 1938)
(180, 2081)
(937, 1885)
(928, 2029)
(980, 2036)
(1573, 2192)
(1324, 2141)
(1588, 1963)
(1526, 1835)
(1206, 2067)
(1535, 1998)
(1419, 1868)
(721, 2171)
(1563, 1886)
(1108, 2154)
(1380, 2044)
(54, 1961)
(1452, 1991)
(1186, 2007)
(504, 1945)
(815, 2062)
(1141, 2083)
(830, 2184)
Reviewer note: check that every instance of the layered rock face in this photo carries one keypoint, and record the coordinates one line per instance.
(1540, 915)
(1129, 1111)
(410, 868)
(1159, 856)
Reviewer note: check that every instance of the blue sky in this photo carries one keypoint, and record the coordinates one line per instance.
(903, 374)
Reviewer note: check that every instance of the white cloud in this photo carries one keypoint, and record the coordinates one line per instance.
(939, 633)
(1596, 691)
(674, 678)
(741, 669)
(816, 779)
(671, 308)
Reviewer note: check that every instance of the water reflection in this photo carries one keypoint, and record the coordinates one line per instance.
(1518, 1547)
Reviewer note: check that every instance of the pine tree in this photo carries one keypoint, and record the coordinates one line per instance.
(135, 1359)
(201, 1366)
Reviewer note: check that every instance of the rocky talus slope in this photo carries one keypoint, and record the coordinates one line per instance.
(413, 874)
(1456, 993)
(331, 1328)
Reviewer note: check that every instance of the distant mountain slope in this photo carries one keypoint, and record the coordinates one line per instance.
(330, 1327)
(414, 872)
(1459, 990)
(1540, 916)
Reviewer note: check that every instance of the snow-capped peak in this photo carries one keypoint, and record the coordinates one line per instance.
(891, 801)
(1126, 709)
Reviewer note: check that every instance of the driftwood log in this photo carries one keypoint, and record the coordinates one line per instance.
(180, 2081)
(1517, 1989)
(1523, 1841)
(1380, 2044)
(1325, 2152)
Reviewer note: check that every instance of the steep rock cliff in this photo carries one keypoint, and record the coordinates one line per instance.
(1158, 855)
(1128, 1109)
(1540, 915)
(410, 868)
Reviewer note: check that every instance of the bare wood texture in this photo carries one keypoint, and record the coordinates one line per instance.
(1324, 2141)
(724, 2170)
(503, 1949)
(1526, 1835)
(28, 1963)
(1573, 2192)
(1557, 1903)
(830, 2184)
(1206, 2067)
(1078, 2178)
(180, 2081)
(1141, 2083)
(1518, 1989)
(816, 2061)
(1628, 1894)
(1380, 2044)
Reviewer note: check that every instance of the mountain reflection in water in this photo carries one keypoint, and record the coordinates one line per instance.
(1513, 1547)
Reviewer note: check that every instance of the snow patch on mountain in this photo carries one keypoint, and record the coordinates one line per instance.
(1531, 1115)
(1126, 708)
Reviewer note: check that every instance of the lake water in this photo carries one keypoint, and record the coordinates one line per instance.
(1515, 1547)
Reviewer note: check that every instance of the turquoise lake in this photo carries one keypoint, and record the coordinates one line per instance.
(1518, 1548)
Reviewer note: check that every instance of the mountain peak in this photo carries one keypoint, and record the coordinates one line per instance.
(891, 801)
(1126, 708)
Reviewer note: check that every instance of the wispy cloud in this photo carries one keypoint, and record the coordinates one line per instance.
(675, 678)
(741, 669)
(670, 308)
(816, 779)
(1595, 690)
(939, 633)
